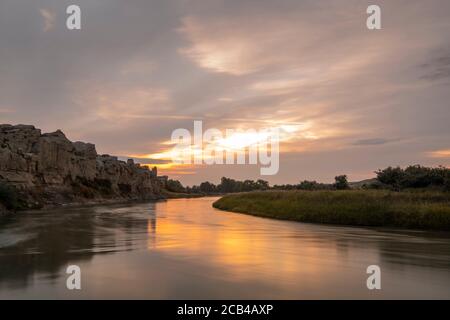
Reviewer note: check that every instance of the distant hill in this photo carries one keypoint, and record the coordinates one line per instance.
(360, 184)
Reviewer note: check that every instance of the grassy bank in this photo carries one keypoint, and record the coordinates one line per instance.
(415, 209)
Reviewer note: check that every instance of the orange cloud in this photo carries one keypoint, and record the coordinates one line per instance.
(234, 47)
(440, 153)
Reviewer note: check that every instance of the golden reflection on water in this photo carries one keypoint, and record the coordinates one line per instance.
(184, 248)
(244, 247)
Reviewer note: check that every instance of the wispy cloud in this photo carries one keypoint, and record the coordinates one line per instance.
(237, 64)
(445, 153)
(371, 142)
(49, 19)
(438, 68)
(226, 53)
(5, 110)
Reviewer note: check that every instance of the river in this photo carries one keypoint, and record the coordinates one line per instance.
(185, 249)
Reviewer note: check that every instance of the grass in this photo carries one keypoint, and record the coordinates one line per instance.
(407, 209)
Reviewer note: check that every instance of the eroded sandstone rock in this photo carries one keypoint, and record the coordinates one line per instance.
(50, 169)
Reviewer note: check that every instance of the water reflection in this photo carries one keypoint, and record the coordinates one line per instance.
(41, 243)
(186, 249)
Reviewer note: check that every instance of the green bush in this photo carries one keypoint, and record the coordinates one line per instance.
(103, 185)
(341, 182)
(447, 183)
(415, 176)
(83, 185)
(8, 196)
(175, 186)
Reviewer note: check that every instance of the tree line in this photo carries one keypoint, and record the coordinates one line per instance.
(391, 178)
(415, 176)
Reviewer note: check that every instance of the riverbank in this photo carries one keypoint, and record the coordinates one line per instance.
(99, 202)
(429, 210)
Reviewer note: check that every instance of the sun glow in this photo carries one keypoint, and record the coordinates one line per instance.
(233, 141)
(440, 153)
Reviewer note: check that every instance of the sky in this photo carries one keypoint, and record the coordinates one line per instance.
(348, 100)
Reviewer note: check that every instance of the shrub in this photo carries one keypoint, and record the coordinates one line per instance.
(124, 188)
(391, 176)
(341, 182)
(103, 186)
(415, 176)
(307, 185)
(175, 186)
(447, 183)
(8, 196)
(207, 187)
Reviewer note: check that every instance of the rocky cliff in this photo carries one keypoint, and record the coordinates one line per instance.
(48, 169)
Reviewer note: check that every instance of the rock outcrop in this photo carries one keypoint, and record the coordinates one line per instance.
(48, 169)
(3, 209)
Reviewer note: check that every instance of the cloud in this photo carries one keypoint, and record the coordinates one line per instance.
(437, 68)
(49, 19)
(444, 153)
(135, 103)
(371, 142)
(141, 69)
(5, 110)
(244, 44)
(225, 53)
